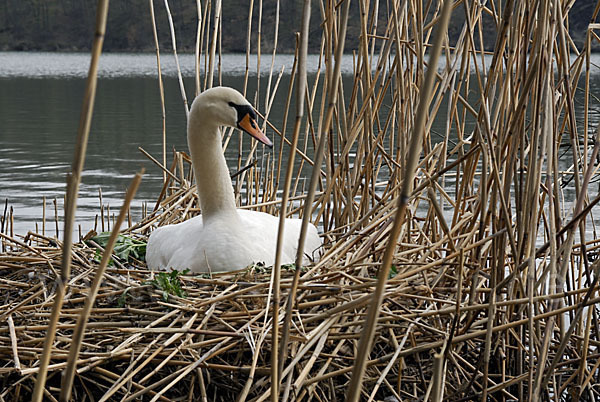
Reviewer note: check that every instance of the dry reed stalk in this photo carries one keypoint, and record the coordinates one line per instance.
(198, 48)
(73, 181)
(14, 343)
(332, 92)
(258, 53)
(213, 43)
(68, 376)
(43, 215)
(161, 90)
(3, 221)
(364, 348)
(55, 216)
(279, 353)
(174, 45)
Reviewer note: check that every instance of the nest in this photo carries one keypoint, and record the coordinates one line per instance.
(489, 295)
(175, 336)
(212, 341)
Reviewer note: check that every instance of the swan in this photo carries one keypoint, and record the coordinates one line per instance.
(222, 238)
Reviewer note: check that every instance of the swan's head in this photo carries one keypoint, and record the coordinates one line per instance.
(225, 106)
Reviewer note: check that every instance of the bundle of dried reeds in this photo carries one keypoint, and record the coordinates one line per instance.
(480, 273)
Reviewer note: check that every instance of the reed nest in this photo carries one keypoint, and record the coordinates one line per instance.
(215, 341)
(459, 262)
(212, 339)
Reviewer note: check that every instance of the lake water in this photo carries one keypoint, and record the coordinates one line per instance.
(40, 102)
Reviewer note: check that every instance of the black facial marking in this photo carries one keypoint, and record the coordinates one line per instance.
(243, 110)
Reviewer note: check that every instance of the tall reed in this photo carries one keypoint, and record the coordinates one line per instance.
(73, 180)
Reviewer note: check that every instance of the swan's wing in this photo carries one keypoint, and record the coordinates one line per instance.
(264, 229)
(259, 235)
(313, 243)
(167, 242)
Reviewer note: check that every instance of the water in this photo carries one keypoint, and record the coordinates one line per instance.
(40, 102)
(127, 65)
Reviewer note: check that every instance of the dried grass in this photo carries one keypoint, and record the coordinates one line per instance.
(492, 289)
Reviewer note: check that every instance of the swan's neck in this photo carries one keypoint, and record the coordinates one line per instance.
(210, 168)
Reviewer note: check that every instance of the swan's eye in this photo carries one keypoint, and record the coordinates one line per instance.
(243, 111)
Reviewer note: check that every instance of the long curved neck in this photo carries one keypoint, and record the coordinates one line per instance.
(210, 168)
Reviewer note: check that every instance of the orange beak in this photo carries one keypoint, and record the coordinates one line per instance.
(248, 124)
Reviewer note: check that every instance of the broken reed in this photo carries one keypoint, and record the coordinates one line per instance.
(489, 243)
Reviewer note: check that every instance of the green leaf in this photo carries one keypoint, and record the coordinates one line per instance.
(169, 283)
(289, 267)
(393, 271)
(126, 247)
(122, 301)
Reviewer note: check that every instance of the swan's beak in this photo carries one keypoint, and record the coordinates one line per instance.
(248, 124)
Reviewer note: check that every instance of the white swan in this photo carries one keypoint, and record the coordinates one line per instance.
(223, 238)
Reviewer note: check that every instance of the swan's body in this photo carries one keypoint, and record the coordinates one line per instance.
(223, 238)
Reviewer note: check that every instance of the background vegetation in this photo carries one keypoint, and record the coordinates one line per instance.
(67, 25)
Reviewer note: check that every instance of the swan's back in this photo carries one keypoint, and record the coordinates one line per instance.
(226, 243)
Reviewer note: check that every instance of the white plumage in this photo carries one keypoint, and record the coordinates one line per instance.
(223, 238)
